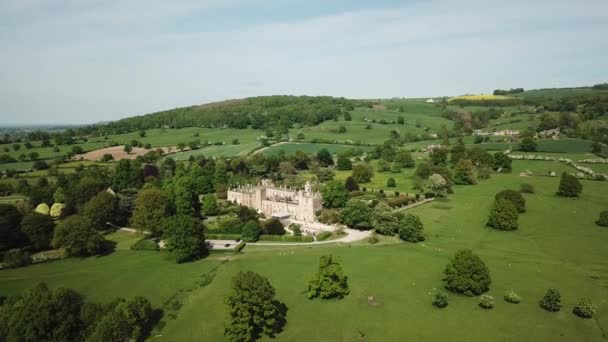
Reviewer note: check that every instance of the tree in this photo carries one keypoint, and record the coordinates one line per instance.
(464, 172)
(467, 274)
(435, 186)
(253, 310)
(384, 221)
(101, 209)
(15, 258)
(551, 301)
(342, 129)
(457, 152)
(324, 158)
(344, 163)
(287, 168)
(503, 215)
(357, 214)
(528, 145)
(569, 186)
(362, 173)
(351, 184)
(400, 120)
(603, 221)
(347, 117)
(584, 308)
(123, 320)
(128, 174)
(329, 281)
(273, 226)
(142, 133)
(38, 229)
(41, 314)
(335, 195)
(127, 148)
(404, 159)
(411, 228)
(151, 207)
(514, 197)
(439, 155)
(251, 231)
(184, 237)
(10, 234)
(33, 156)
(210, 207)
(43, 209)
(391, 183)
(76, 235)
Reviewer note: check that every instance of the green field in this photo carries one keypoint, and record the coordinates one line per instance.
(546, 145)
(545, 252)
(291, 148)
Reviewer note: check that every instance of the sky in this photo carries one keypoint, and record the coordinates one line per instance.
(87, 61)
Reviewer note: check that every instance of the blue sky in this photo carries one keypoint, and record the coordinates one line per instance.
(85, 61)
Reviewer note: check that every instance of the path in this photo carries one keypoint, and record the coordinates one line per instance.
(353, 235)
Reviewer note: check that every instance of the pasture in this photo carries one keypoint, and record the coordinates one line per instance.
(291, 148)
(557, 245)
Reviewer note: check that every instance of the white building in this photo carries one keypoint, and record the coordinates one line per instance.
(279, 202)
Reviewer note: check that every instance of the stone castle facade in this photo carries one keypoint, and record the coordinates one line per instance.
(280, 202)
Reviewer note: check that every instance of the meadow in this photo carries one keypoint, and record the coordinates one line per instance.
(291, 148)
(557, 245)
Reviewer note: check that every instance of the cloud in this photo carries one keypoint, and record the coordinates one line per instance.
(94, 60)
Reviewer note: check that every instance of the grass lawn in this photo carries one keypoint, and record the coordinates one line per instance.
(565, 145)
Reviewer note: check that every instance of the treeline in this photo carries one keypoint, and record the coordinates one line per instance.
(466, 121)
(256, 112)
(508, 92)
(600, 86)
(488, 102)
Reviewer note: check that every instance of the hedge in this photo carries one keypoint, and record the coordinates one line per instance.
(286, 238)
(323, 236)
(235, 237)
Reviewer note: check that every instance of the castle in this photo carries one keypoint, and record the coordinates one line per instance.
(279, 202)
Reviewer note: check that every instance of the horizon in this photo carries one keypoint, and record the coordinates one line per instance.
(85, 63)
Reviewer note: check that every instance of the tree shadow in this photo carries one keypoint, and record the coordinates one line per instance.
(280, 318)
(107, 247)
(154, 322)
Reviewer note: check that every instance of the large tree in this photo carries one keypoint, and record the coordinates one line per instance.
(464, 172)
(411, 228)
(128, 174)
(467, 274)
(10, 235)
(569, 186)
(253, 310)
(362, 173)
(209, 206)
(184, 237)
(38, 229)
(101, 209)
(503, 215)
(78, 237)
(329, 281)
(344, 163)
(151, 207)
(514, 197)
(357, 214)
(335, 195)
(325, 158)
(528, 145)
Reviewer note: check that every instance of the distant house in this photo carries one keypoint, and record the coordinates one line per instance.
(430, 100)
(550, 133)
(431, 147)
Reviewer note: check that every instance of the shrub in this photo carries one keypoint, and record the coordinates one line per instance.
(486, 301)
(514, 197)
(526, 188)
(286, 238)
(212, 236)
(323, 236)
(251, 231)
(512, 297)
(43, 209)
(551, 301)
(372, 240)
(145, 245)
(464, 172)
(350, 184)
(391, 183)
(357, 214)
(435, 186)
(569, 186)
(584, 308)
(603, 221)
(411, 228)
(296, 229)
(57, 210)
(503, 216)
(17, 258)
(38, 229)
(467, 274)
(329, 216)
(441, 299)
(273, 226)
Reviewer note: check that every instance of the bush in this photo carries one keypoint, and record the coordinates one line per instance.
(273, 227)
(526, 188)
(411, 228)
(77, 236)
(603, 221)
(251, 231)
(357, 214)
(391, 183)
(17, 258)
(584, 308)
(486, 301)
(440, 300)
(514, 197)
(503, 215)
(512, 297)
(467, 274)
(323, 236)
(551, 301)
(569, 186)
(43, 209)
(286, 238)
(296, 229)
(145, 245)
(329, 216)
